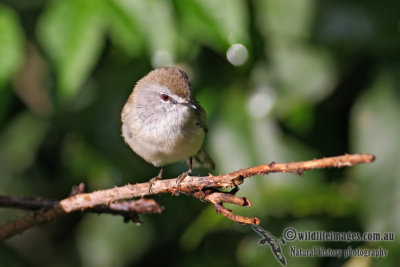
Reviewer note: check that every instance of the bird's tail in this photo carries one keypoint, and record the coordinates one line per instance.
(202, 159)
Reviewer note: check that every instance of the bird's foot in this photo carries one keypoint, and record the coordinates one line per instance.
(182, 177)
(155, 179)
(152, 182)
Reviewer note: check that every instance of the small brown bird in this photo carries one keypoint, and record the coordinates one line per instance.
(163, 123)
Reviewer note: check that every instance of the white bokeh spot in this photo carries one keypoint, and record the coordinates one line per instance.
(260, 102)
(237, 54)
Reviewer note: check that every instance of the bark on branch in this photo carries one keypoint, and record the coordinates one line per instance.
(202, 187)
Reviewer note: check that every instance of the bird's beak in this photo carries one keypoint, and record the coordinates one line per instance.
(190, 104)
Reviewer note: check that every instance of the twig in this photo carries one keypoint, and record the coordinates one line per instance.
(26, 203)
(129, 210)
(197, 186)
(218, 198)
(51, 209)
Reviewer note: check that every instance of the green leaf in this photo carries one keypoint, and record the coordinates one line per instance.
(215, 23)
(285, 18)
(375, 129)
(11, 44)
(124, 30)
(304, 72)
(20, 140)
(156, 21)
(71, 33)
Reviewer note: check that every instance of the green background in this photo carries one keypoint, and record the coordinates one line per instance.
(315, 79)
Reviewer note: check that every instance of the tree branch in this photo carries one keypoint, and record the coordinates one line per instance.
(204, 188)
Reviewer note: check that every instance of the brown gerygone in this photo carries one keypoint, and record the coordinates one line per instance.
(162, 122)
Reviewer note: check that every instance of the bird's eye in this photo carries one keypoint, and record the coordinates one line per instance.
(165, 97)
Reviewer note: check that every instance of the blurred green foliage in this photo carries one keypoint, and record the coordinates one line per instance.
(280, 81)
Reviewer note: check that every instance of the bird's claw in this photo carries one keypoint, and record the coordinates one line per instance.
(182, 177)
(151, 183)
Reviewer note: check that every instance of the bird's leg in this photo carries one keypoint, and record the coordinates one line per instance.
(182, 177)
(154, 179)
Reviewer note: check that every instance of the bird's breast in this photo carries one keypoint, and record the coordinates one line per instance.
(160, 140)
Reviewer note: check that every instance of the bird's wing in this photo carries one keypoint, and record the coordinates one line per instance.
(202, 159)
(202, 121)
